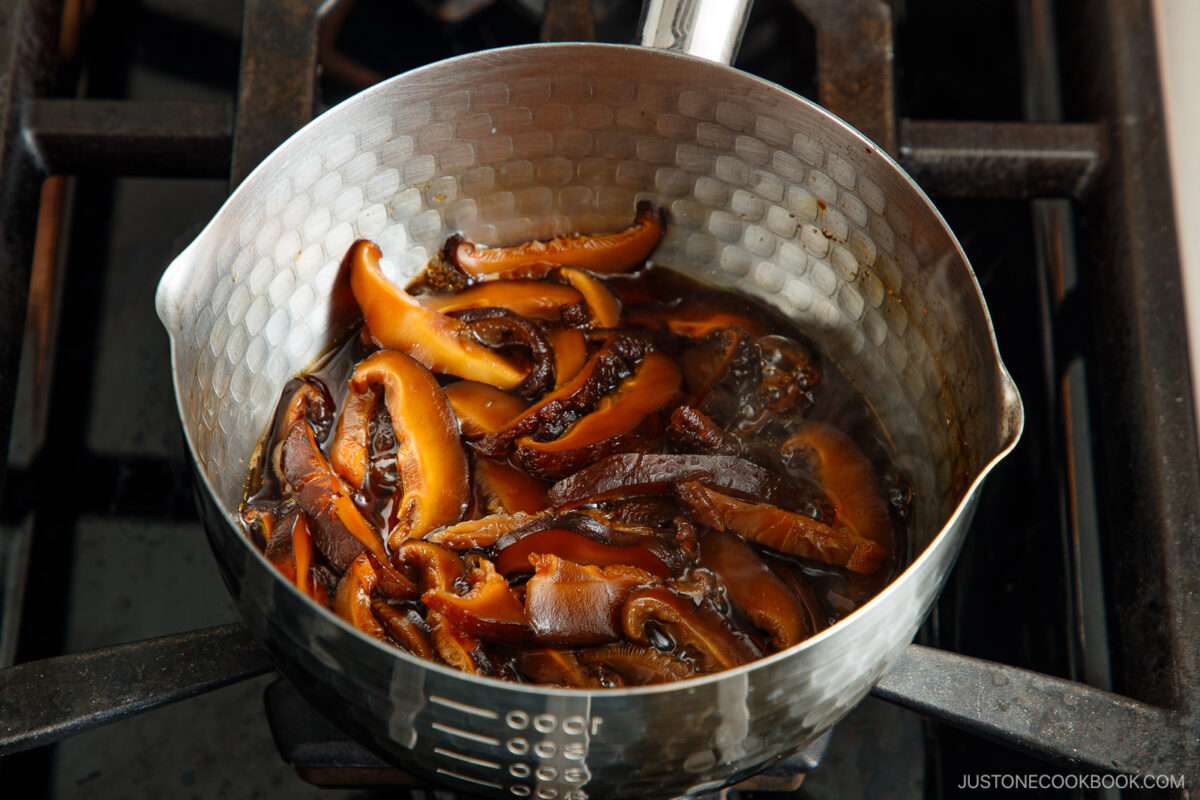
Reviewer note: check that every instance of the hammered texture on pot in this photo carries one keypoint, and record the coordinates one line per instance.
(764, 193)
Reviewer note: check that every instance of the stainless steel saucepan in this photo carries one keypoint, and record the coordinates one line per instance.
(765, 193)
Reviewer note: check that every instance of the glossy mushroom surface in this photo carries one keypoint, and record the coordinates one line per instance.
(567, 467)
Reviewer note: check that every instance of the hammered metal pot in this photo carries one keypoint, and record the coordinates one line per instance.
(765, 193)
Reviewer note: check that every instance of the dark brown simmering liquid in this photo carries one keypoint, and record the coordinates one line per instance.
(704, 488)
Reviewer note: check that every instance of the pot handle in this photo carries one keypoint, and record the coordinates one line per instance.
(1051, 718)
(44, 701)
(709, 29)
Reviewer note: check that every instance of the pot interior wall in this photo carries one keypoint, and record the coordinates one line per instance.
(763, 193)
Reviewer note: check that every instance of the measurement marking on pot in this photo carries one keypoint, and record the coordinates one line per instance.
(457, 706)
(469, 779)
(479, 762)
(474, 737)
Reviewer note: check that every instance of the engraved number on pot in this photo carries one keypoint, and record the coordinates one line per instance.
(554, 782)
(574, 725)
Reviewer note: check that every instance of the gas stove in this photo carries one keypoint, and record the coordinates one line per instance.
(1037, 130)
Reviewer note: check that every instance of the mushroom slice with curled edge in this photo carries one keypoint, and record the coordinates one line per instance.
(349, 450)
(482, 409)
(338, 529)
(754, 588)
(614, 424)
(605, 308)
(391, 585)
(632, 474)
(499, 327)
(637, 666)
(489, 610)
(353, 599)
(438, 567)
(397, 321)
(691, 430)
(553, 414)
(538, 299)
(302, 398)
(693, 629)
(433, 466)
(482, 532)
(501, 487)
(609, 252)
(310, 400)
(569, 604)
(781, 530)
(841, 469)
(570, 353)
(584, 540)
(406, 628)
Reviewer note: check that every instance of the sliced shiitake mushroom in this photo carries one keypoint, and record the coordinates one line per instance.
(612, 425)
(397, 321)
(841, 469)
(477, 533)
(611, 252)
(695, 629)
(488, 611)
(290, 551)
(499, 327)
(453, 645)
(720, 369)
(501, 487)
(553, 414)
(353, 599)
(406, 628)
(584, 540)
(555, 667)
(569, 604)
(694, 432)
(538, 299)
(637, 666)
(338, 529)
(698, 315)
(349, 450)
(781, 530)
(604, 307)
(754, 588)
(438, 567)
(433, 466)
(482, 409)
(631, 474)
(570, 353)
